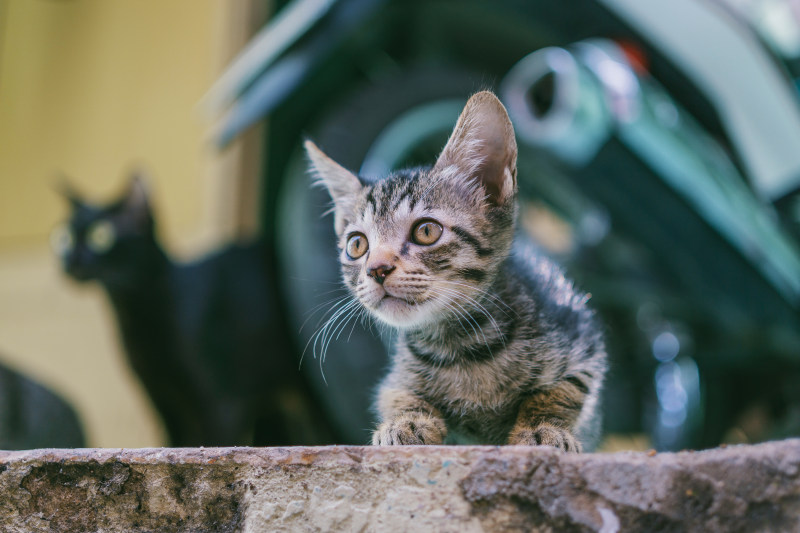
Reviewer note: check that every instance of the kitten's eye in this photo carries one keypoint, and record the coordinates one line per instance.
(62, 240)
(101, 237)
(426, 232)
(357, 246)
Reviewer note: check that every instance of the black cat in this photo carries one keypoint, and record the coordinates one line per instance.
(206, 339)
(33, 416)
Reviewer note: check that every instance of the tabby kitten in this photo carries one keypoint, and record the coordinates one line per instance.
(494, 344)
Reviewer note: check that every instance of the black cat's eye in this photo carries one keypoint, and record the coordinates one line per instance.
(62, 240)
(426, 232)
(357, 245)
(100, 236)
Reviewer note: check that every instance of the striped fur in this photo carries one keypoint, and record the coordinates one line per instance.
(494, 346)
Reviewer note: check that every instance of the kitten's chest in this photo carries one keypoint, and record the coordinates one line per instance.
(479, 405)
(463, 390)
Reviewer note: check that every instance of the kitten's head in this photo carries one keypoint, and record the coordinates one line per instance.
(112, 243)
(421, 245)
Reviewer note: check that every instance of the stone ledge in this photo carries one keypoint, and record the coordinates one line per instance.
(442, 488)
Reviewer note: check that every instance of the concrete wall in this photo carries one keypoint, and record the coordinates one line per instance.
(411, 488)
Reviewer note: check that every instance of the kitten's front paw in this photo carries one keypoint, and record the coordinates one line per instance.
(545, 435)
(410, 428)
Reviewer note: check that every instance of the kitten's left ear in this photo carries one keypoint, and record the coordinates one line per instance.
(482, 147)
(342, 184)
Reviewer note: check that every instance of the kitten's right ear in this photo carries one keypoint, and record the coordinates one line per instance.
(482, 148)
(342, 184)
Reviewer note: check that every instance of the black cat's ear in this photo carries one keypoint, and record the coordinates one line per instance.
(65, 189)
(137, 196)
(342, 184)
(482, 147)
(136, 199)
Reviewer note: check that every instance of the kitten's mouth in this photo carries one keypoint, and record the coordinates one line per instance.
(399, 311)
(394, 300)
(411, 298)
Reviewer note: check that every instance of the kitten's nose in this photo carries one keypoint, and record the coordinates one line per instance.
(380, 272)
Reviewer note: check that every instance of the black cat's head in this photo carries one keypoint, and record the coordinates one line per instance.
(114, 243)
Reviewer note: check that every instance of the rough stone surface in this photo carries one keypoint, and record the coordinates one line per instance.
(442, 488)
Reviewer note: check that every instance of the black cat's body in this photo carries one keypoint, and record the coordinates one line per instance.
(205, 338)
(33, 416)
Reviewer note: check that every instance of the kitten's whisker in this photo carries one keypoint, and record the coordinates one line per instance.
(469, 317)
(337, 303)
(326, 302)
(490, 295)
(330, 326)
(489, 316)
(311, 312)
(327, 333)
(353, 313)
(483, 309)
(320, 334)
(339, 329)
(458, 316)
(331, 310)
(485, 313)
(339, 289)
(335, 310)
(359, 318)
(465, 315)
(314, 280)
(486, 293)
(343, 320)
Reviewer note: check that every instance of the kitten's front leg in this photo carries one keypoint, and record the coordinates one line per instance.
(546, 418)
(407, 419)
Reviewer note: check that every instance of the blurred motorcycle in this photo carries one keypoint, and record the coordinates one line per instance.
(658, 162)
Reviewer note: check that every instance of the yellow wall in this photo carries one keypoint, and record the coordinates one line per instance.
(91, 87)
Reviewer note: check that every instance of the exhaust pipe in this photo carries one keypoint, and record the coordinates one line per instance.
(566, 101)
(571, 101)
